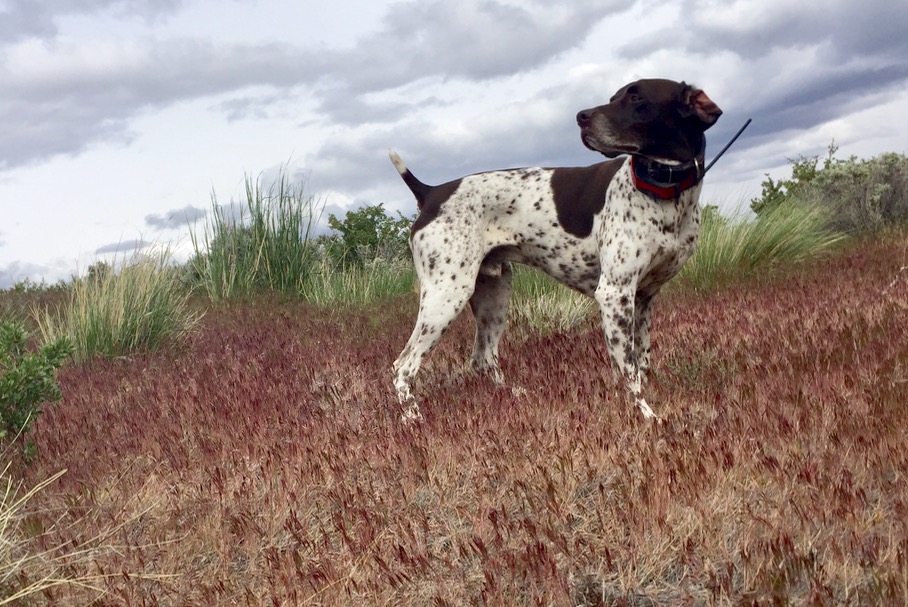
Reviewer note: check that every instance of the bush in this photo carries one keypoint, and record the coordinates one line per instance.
(859, 195)
(27, 378)
(863, 195)
(804, 171)
(366, 234)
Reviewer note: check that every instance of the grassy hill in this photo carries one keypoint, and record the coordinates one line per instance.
(262, 461)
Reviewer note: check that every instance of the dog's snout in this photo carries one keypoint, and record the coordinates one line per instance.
(584, 117)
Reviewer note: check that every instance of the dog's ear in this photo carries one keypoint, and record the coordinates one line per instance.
(694, 102)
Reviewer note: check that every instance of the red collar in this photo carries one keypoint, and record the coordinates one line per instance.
(662, 181)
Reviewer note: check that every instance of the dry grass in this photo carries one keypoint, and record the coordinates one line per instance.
(46, 553)
(265, 463)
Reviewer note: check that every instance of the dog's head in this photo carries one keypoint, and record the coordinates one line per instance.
(659, 119)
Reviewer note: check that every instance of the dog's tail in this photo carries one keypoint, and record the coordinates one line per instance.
(419, 189)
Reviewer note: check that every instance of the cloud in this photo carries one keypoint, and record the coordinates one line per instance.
(17, 271)
(61, 95)
(59, 98)
(474, 40)
(846, 29)
(176, 219)
(24, 19)
(792, 67)
(124, 246)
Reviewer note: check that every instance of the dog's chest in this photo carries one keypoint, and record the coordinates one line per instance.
(652, 238)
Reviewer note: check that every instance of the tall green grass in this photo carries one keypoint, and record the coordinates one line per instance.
(142, 306)
(736, 248)
(268, 248)
(271, 247)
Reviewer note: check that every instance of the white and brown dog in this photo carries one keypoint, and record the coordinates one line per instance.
(616, 231)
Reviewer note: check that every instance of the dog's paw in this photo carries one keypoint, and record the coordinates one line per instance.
(411, 414)
(647, 412)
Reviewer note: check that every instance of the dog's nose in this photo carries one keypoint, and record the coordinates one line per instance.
(584, 117)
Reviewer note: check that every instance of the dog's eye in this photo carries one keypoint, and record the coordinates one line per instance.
(635, 99)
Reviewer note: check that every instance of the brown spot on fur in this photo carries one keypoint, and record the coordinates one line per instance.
(579, 194)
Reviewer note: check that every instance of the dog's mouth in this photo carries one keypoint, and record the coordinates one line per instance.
(608, 150)
(588, 142)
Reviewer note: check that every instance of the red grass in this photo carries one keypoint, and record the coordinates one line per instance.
(265, 463)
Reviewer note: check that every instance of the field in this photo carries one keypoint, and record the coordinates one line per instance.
(263, 462)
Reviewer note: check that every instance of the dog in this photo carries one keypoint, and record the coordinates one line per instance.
(616, 231)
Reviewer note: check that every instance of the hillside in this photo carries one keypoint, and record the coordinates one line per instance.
(264, 462)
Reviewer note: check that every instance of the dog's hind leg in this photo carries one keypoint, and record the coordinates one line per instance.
(441, 301)
(490, 311)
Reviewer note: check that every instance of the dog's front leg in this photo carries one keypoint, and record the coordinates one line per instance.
(615, 296)
(643, 303)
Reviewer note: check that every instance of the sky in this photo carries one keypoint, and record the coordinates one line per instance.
(122, 122)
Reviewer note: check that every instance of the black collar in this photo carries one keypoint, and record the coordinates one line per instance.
(662, 181)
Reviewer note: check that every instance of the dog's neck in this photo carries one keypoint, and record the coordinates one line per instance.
(662, 180)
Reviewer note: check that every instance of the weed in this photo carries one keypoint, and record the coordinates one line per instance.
(543, 305)
(265, 462)
(359, 285)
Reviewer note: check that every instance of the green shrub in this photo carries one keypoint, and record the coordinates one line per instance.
(863, 195)
(366, 234)
(858, 195)
(27, 379)
(143, 306)
(804, 171)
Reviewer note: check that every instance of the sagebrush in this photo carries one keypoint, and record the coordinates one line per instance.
(858, 195)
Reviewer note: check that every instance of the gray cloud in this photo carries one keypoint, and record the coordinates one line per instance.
(846, 29)
(176, 219)
(124, 246)
(18, 271)
(539, 130)
(21, 19)
(793, 65)
(796, 65)
(476, 40)
(64, 111)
